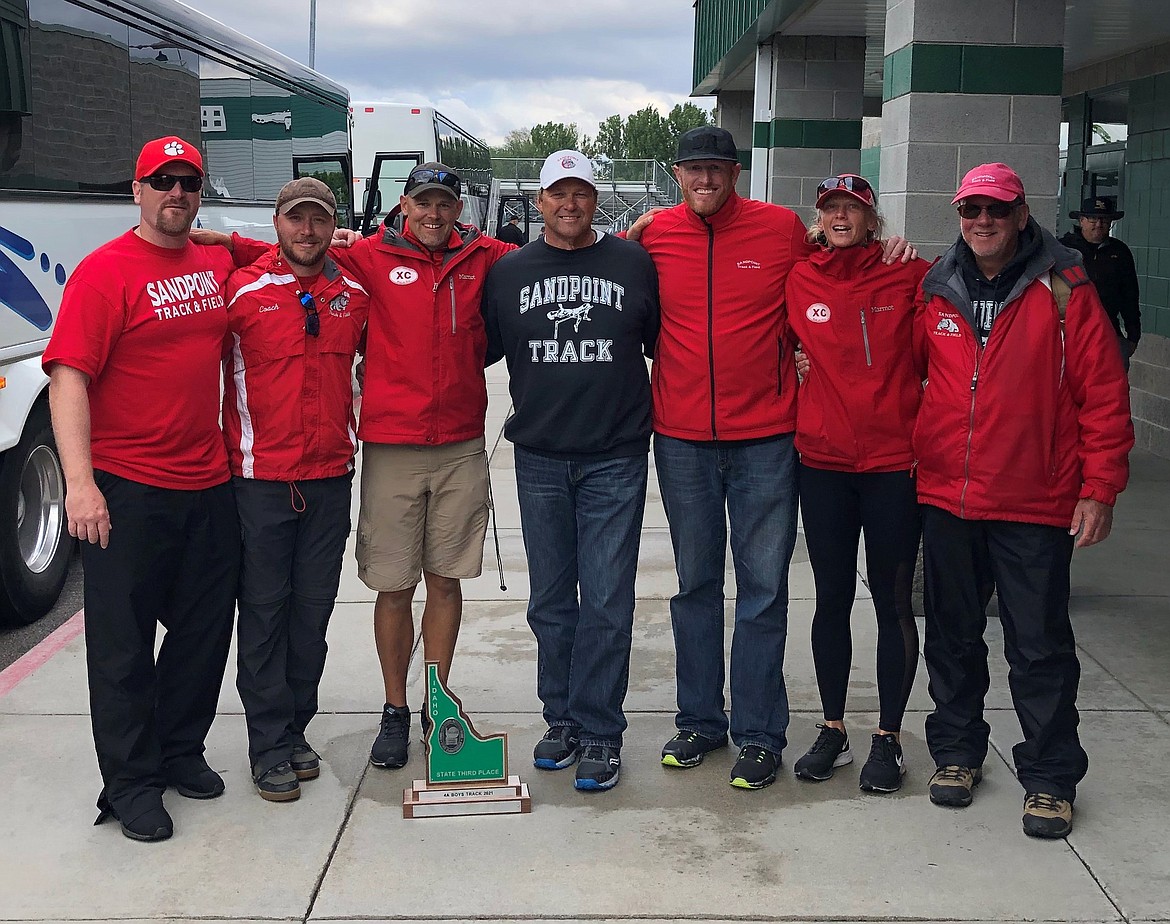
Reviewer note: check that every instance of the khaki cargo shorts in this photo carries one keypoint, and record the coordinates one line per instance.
(423, 508)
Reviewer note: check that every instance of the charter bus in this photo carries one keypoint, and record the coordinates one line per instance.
(390, 139)
(82, 86)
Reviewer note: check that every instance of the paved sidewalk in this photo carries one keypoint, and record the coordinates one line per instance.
(665, 845)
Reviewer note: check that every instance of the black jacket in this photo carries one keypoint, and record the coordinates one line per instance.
(1110, 265)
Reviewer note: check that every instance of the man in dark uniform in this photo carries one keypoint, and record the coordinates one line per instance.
(510, 233)
(1110, 266)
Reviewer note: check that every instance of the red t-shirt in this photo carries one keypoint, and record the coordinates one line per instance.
(147, 325)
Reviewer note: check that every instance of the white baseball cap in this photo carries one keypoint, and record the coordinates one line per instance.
(561, 165)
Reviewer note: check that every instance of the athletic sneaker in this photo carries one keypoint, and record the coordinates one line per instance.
(559, 748)
(392, 746)
(885, 768)
(1047, 816)
(755, 768)
(688, 748)
(305, 762)
(830, 750)
(424, 724)
(952, 785)
(277, 784)
(600, 767)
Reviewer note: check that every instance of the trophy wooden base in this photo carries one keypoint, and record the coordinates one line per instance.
(423, 801)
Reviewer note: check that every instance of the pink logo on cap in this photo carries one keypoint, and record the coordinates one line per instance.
(568, 162)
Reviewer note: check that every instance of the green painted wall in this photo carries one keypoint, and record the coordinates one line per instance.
(719, 24)
(871, 166)
(923, 67)
(1147, 197)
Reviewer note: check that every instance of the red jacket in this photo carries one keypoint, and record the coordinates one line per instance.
(288, 396)
(721, 369)
(854, 318)
(1021, 428)
(425, 348)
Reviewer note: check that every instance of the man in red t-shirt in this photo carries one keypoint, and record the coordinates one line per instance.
(134, 365)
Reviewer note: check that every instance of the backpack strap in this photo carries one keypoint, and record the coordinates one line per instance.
(1062, 282)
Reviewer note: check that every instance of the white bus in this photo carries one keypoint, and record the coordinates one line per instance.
(83, 84)
(391, 139)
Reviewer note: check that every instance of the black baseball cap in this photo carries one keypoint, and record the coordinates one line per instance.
(707, 143)
(433, 176)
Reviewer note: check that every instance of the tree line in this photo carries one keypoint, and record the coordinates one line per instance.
(645, 134)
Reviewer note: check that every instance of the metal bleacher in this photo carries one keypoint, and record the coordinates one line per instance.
(625, 188)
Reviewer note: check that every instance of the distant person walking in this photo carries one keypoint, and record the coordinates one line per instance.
(510, 233)
(1110, 265)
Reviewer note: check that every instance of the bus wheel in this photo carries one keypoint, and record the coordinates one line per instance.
(35, 545)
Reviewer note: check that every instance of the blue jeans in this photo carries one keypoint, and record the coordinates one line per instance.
(753, 486)
(582, 524)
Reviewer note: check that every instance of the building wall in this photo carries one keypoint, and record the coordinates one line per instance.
(1146, 228)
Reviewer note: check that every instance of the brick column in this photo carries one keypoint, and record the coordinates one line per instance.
(967, 83)
(815, 129)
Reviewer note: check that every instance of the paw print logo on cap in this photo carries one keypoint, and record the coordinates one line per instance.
(174, 149)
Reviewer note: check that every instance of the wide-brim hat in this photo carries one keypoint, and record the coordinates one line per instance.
(1098, 207)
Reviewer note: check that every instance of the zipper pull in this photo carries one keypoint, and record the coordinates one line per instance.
(974, 379)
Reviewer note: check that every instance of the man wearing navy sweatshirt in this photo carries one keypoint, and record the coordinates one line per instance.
(575, 314)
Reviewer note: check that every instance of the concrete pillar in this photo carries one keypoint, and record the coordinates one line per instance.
(968, 83)
(761, 146)
(815, 130)
(733, 112)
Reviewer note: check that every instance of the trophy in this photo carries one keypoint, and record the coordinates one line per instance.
(467, 773)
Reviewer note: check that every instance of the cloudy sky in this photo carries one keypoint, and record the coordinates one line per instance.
(490, 65)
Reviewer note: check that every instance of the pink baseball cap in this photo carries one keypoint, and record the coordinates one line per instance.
(996, 181)
(162, 151)
(849, 183)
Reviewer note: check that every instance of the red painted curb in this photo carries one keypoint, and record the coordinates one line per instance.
(36, 658)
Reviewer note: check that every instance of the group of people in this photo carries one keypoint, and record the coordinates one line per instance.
(1017, 444)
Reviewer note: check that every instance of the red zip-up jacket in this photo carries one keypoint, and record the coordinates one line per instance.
(288, 396)
(854, 318)
(721, 368)
(425, 347)
(1021, 428)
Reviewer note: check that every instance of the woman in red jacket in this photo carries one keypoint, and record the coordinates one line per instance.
(852, 316)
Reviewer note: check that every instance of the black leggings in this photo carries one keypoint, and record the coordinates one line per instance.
(835, 508)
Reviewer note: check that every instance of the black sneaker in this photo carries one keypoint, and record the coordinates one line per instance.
(305, 762)
(559, 748)
(885, 768)
(424, 722)
(952, 785)
(830, 750)
(688, 748)
(1047, 816)
(391, 747)
(192, 778)
(600, 767)
(278, 784)
(755, 767)
(151, 822)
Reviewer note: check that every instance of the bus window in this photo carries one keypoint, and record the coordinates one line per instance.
(385, 187)
(334, 173)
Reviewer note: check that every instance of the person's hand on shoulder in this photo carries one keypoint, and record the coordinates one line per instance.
(898, 248)
(210, 238)
(635, 230)
(345, 237)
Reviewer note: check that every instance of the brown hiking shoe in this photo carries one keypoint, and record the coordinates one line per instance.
(952, 785)
(1046, 815)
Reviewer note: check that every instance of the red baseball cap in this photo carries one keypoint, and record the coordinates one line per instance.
(849, 183)
(162, 151)
(996, 181)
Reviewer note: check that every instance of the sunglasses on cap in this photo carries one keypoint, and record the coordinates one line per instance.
(312, 319)
(996, 210)
(165, 182)
(425, 175)
(853, 184)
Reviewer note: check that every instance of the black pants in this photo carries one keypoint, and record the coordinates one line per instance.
(294, 539)
(173, 559)
(1030, 566)
(836, 507)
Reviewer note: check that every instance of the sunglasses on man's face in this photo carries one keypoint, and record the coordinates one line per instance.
(443, 177)
(165, 182)
(996, 210)
(312, 319)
